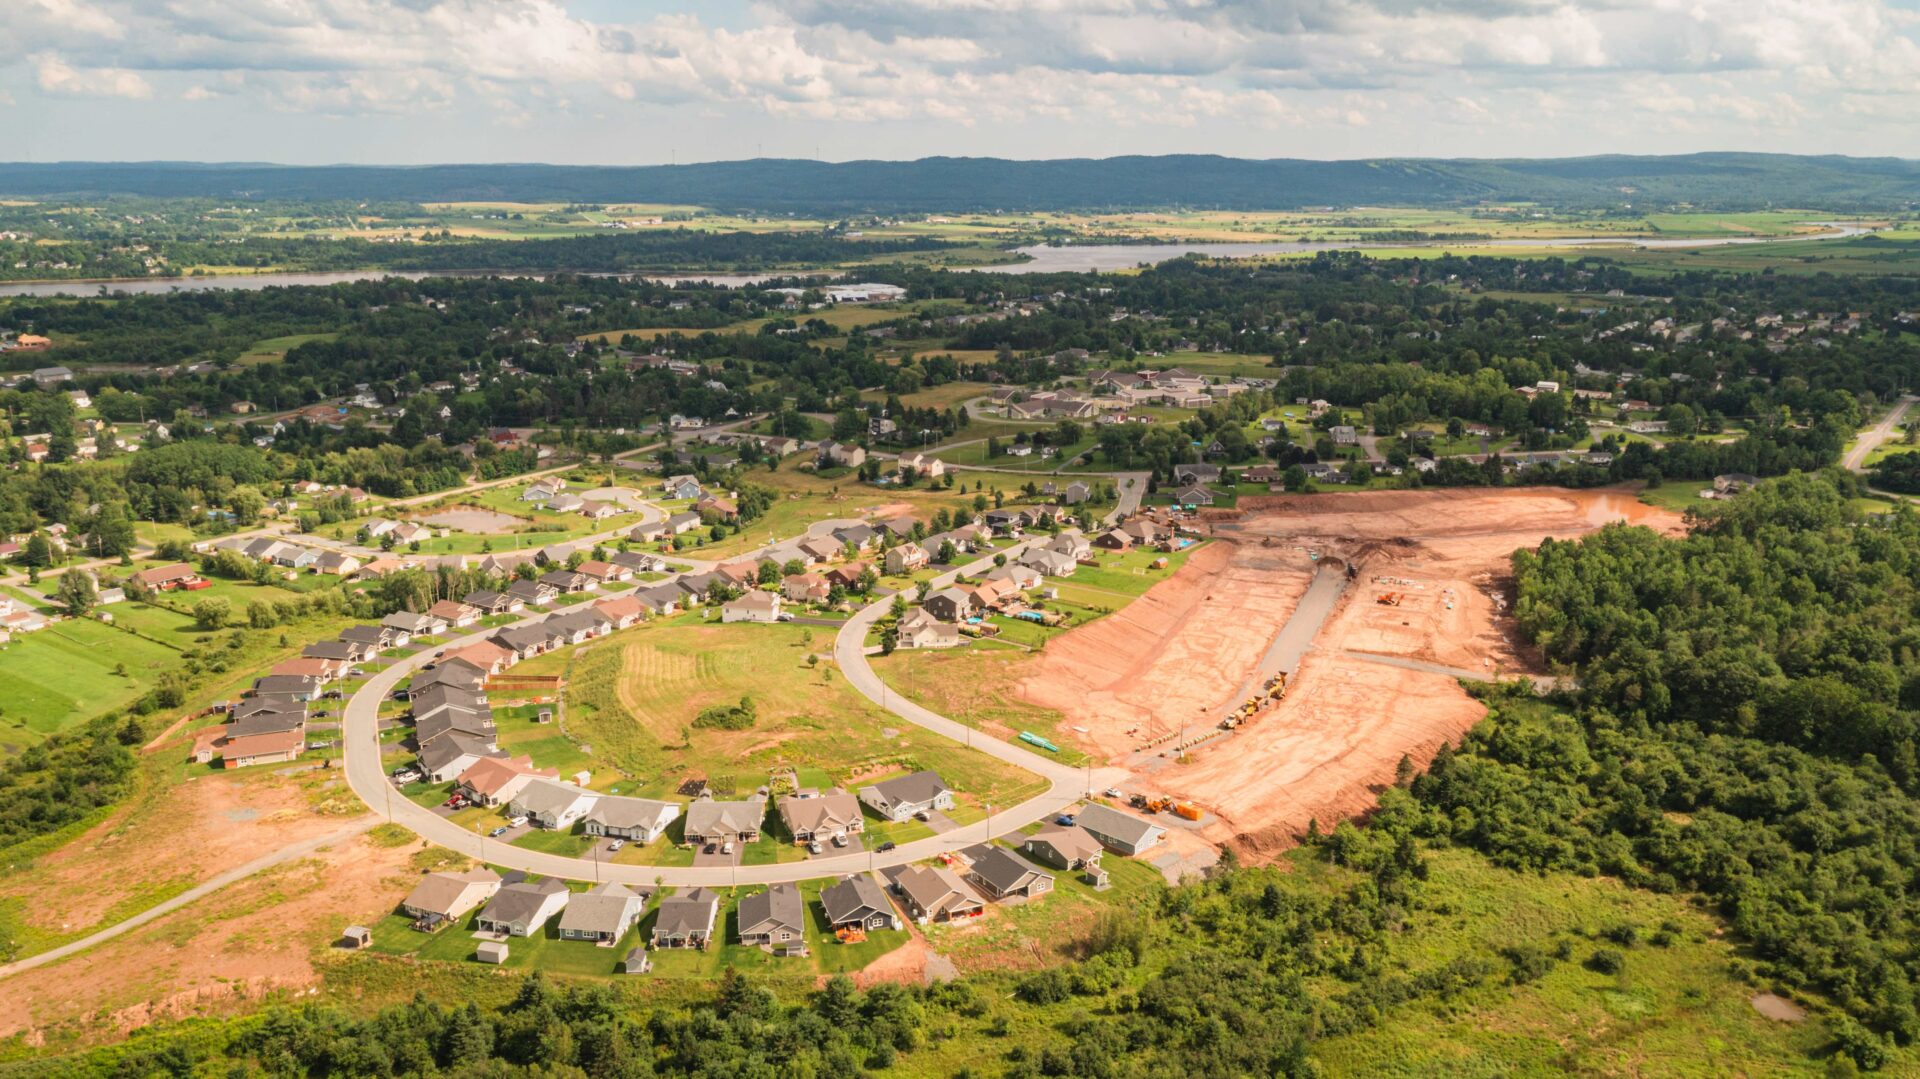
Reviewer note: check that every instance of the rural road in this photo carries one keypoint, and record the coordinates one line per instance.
(1856, 459)
(191, 895)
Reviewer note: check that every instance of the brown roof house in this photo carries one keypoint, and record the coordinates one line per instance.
(935, 894)
(443, 898)
(1064, 846)
(822, 816)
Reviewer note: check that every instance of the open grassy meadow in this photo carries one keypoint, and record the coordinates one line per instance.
(70, 672)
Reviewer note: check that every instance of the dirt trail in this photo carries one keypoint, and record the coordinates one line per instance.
(1438, 559)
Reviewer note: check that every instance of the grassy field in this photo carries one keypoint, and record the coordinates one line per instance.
(805, 497)
(275, 349)
(948, 395)
(633, 699)
(66, 673)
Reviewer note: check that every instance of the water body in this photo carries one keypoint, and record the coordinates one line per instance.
(1072, 258)
(1041, 258)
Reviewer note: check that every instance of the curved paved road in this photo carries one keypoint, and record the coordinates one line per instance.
(366, 775)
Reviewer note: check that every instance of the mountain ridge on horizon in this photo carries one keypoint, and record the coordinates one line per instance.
(1718, 180)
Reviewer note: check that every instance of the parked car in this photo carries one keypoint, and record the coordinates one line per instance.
(405, 775)
(498, 832)
(885, 847)
(616, 845)
(1113, 792)
(840, 841)
(1063, 819)
(814, 847)
(712, 848)
(728, 848)
(515, 822)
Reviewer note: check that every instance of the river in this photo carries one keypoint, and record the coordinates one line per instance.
(1041, 258)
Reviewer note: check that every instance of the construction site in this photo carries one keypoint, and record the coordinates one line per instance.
(1282, 674)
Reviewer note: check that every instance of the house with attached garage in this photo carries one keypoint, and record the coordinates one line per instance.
(1193, 496)
(1050, 562)
(414, 625)
(549, 803)
(1001, 874)
(454, 614)
(687, 921)
(492, 781)
(687, 487)
(660, 599)
(719, 822)
(934, 894)
(752, 606)
(858, 903)
(900, 798)
(1187, 475)
(378, 637)
(637, 820)
(949, 604)
(453, 753)
(638, 562)
(521, 910)
(818, 549)
(821, 817)
(906, 558)
(621, 611)
(920, 629)
(1064, 846)
(1123, 833)
(568, 582)
(444, 898)
(805, 588)
(682, 522)
(532, 593)
(488, 603)
(775, 918)
(602, 914)
(1018, 574)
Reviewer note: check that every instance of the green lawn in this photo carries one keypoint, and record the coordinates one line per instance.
(65, 674)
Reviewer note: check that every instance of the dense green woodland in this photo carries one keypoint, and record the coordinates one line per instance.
(1711, 181)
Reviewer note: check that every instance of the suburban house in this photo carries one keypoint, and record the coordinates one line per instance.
(1343, 435)
(719, 822)
(453, 753)
(686, 921)
(1189, 475)
(413, 625)
(1075, 493)
(532, 593)
(1193, 496)
(566, 502)
(950, 604)
(485, 656)
(344, 651)
(520, 910)
(935, 894)
(441, 898)
(918, 628)
(840, 455)
(542, 490)
(273, 747)
(549, 803)
(638, 561)
(752, 606)
(847, 576)
(858, 903)
(660, 599)
(454, 614)
(493, 781)
(168, 578)
(1001, 874)
(1144, 531)
(859, 537)
(775, 918)
(1113, 539)
(602, 914)
(1733, 483)
(638, 820)
(1005, 522)
(805, 588)
(906, 558)
(622, 611)
(1053, 561)
(606, 572)
(682, 522)
(900, 798)
(818, 549)
(377, 637)
(1117, 831)
(567, 582)
(687, 487)
(494, 602)
(338, 563)
(821, 817)
(1064, 846)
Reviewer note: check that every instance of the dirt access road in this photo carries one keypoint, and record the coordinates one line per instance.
(1856, 459)
(1183, 653)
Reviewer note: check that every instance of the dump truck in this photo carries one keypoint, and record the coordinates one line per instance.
(1186, 810)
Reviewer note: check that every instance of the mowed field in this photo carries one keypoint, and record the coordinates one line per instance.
(634, 697)
(65, 674)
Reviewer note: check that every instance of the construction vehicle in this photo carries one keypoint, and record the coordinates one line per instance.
(1388, 599)
(1186, 811)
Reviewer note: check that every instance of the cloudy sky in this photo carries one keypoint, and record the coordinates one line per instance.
(650, 81)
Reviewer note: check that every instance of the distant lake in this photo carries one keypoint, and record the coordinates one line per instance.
(1042, 258)
(1086, 258)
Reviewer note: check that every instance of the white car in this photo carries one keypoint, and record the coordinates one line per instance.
(616, 845)
(728, 849)
(515, 822)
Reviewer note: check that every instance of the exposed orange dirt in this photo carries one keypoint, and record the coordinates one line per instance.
(257, 937)
(1182, 653)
